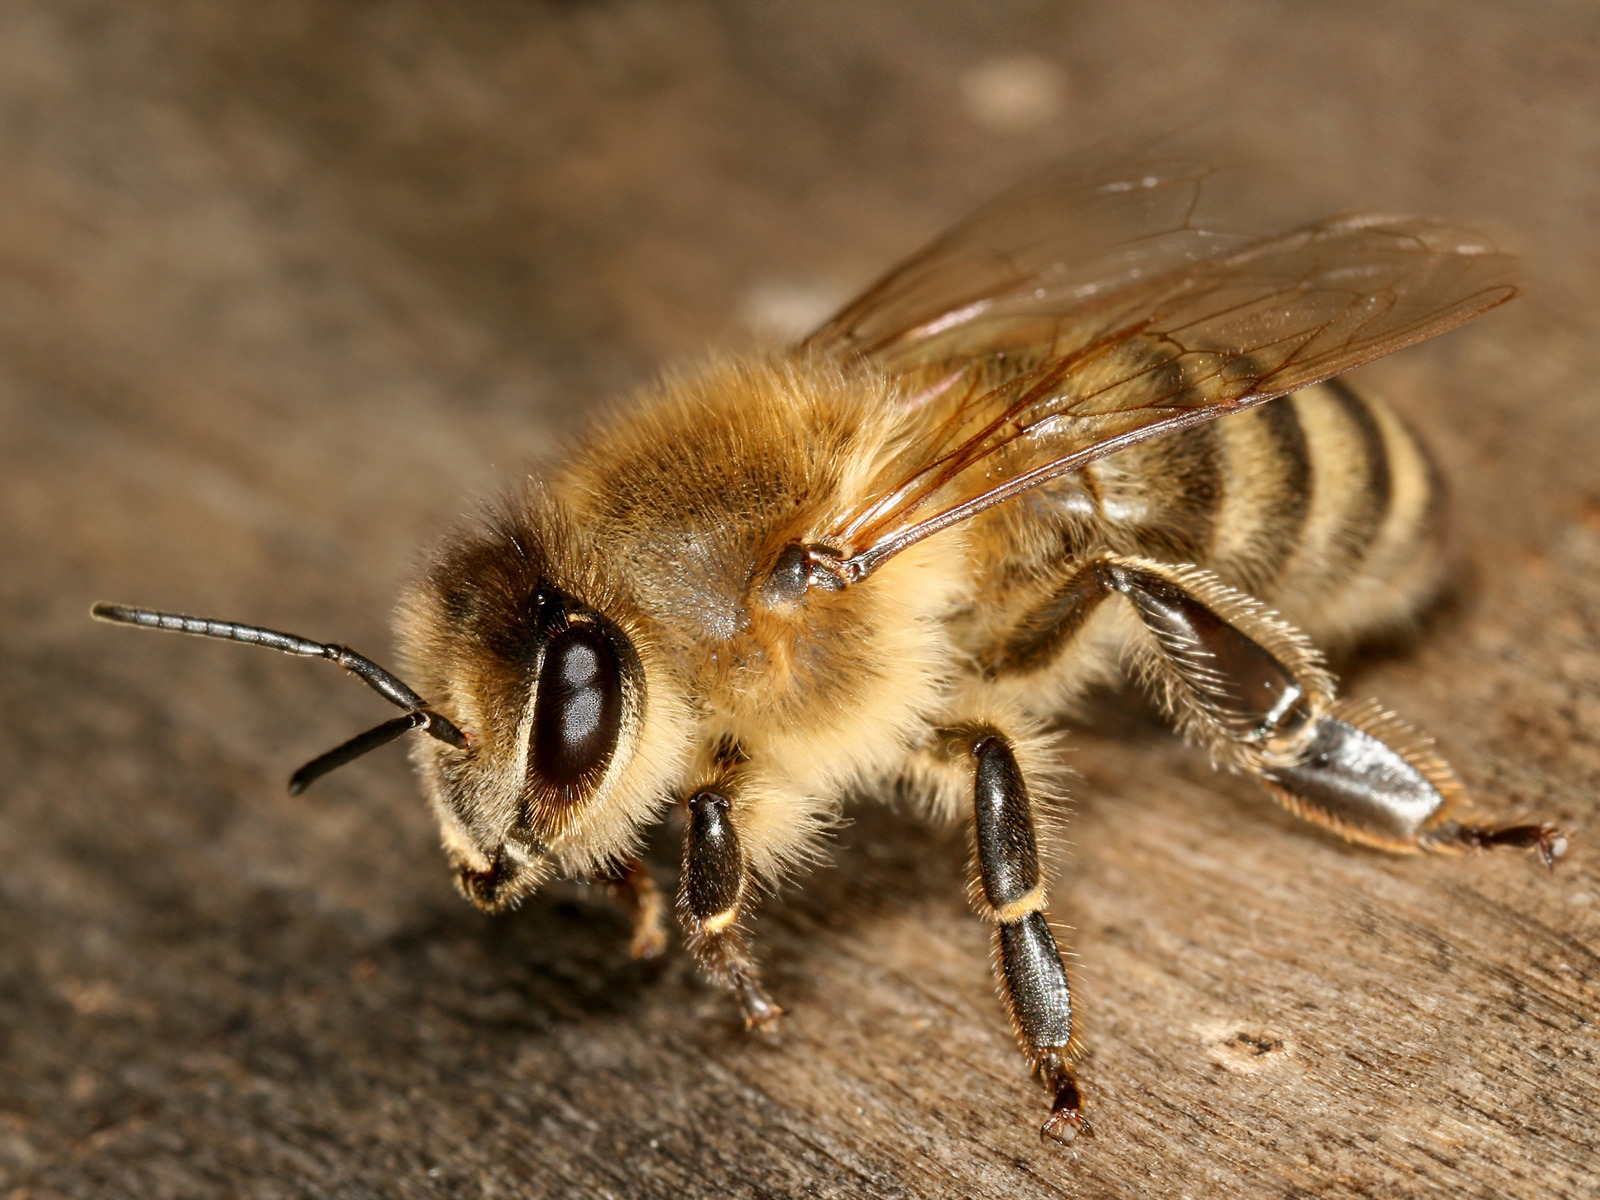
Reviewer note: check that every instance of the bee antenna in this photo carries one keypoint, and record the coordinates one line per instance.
(362, 743)
(418, 714)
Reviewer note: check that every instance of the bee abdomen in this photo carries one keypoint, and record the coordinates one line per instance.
(1321, 503)
(1370, 550)
(1269, 476)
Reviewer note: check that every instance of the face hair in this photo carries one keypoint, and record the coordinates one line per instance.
(418, 715)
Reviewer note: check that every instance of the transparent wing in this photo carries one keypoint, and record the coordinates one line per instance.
(1046, 246)
(1028, 351)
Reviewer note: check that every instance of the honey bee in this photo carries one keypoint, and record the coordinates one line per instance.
(889, 559)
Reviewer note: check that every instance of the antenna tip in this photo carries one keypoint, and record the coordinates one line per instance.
(108, 612)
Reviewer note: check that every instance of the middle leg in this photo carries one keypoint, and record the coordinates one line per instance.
(1010, 893)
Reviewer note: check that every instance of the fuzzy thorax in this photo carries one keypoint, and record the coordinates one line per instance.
(695, 499)
(664, 529)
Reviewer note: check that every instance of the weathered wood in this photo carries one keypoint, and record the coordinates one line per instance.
(283, 287)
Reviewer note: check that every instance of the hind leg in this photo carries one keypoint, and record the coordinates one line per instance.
(1252, 690)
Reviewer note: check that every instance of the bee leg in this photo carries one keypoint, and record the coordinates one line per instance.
(1253, 691)
(710, 891)
(1031, 977)
(632, 886)
(1374, 780)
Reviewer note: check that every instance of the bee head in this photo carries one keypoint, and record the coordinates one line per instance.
(516, 635)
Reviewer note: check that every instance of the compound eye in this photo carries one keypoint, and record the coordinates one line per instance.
(577, 709)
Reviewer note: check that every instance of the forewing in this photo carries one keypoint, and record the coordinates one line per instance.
(1030, 383)
(1042, 247)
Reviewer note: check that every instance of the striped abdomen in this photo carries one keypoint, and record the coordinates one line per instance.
(1322, 504)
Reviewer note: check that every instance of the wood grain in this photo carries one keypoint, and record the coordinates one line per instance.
(283, 288)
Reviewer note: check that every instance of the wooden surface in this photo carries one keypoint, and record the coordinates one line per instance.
(284, 287)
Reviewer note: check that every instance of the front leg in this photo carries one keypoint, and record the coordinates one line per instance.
(710, 892)
(1032, 980)
(631, 885)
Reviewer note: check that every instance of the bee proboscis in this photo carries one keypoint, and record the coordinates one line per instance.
(895, 554)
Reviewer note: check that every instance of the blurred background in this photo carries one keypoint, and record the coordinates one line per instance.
(286, 288)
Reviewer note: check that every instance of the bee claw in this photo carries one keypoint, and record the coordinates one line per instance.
(767, 1022)
(649, 943)
(1553, 845)
(761, 1015)
(1065, 1127)
(1066, 1122)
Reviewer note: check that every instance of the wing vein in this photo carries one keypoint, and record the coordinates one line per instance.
(1091, 312)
